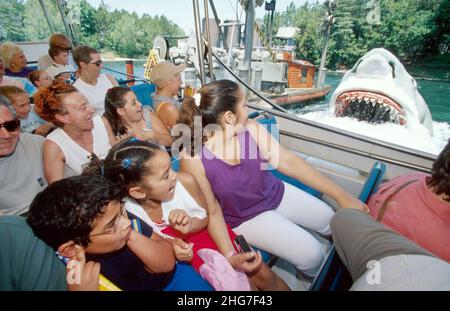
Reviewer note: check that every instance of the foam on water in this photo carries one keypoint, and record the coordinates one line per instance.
(414, 136)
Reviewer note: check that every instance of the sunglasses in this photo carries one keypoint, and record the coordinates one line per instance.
(97, 63)
(11, 126)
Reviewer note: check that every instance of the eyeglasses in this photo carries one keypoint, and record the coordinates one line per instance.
(97, 63)
(114, 228)
(11, 126)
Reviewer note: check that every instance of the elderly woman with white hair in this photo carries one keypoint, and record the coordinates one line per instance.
(14, 60)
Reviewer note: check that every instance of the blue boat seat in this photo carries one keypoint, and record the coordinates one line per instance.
(333, 275)
(144, 92)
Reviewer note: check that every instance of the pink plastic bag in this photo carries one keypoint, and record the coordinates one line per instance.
(219, 272)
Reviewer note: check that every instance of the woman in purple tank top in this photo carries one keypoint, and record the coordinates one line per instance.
(230, 156)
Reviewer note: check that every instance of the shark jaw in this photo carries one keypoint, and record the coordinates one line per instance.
(378, 89)
(370, 107)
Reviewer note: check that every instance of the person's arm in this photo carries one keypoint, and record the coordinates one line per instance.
(183, 251)
(90, 272)
(53, 161)
(294, 166)
(112, 80)
(168, 113)
(44, 129)
(155, 253)
(216, 225)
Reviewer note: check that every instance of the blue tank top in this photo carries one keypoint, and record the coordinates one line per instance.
(243, 190)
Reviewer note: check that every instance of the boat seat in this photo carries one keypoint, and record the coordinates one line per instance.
(333, 275)
(144, 92)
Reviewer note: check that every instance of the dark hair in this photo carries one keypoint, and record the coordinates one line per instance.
(440, 174)
(82, 53)
(217, 98)
(125, 162)
(67, 209)
(115, 99)
(55, 51)
(48, 101)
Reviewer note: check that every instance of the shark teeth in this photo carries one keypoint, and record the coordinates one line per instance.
(372, 108)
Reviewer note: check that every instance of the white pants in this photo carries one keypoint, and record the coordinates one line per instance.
(278, 231)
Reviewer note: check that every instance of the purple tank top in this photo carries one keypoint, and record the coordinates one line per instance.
(243, 190)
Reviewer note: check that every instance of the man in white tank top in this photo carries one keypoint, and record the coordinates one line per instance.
(91, 83)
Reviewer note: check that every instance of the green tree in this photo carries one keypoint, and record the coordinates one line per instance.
(11, 22)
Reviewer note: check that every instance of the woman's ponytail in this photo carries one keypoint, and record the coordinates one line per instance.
(187, 116)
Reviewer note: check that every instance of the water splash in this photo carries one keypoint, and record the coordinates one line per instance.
(415, 136)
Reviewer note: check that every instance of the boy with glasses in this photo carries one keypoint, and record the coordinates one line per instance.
(87, 212)
(92, 83)
(21, 169)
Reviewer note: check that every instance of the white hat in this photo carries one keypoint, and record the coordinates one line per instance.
(55, 71)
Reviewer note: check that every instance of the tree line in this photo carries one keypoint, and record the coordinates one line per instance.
(126, 34)
(410, 29)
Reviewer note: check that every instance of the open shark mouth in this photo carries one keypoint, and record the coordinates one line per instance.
(378, 90)
(370, 107)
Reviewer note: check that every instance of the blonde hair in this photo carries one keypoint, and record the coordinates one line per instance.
(7, 52)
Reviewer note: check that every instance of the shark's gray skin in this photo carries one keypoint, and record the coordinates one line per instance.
(378, 89)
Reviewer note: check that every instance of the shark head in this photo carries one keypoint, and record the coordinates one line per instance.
(378, 89)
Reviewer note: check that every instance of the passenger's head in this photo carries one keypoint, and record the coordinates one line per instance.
(143, 167)
(121, 108)
(18, 98)
(9, 128)
(222, 103)
(62, 105)
(59, 55)
(440, 174)
(81, 210)
(167, 76)
(12, 56)
(88, 60)
(40, 78)
(60, 41)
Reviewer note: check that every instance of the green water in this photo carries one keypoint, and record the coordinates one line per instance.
(435, 93)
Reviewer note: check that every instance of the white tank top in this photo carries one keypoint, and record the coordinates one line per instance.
(95, 94)
(75, 155)
(182, 199)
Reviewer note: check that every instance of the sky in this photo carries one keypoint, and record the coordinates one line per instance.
(181, 12)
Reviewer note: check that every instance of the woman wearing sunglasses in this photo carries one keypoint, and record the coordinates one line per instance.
(21, 171)
(91, 83)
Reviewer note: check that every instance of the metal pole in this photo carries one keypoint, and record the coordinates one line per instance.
(66, 24)
(209, 44)
(322, 69)
(213, 8)
(199, 41)
(271, 26)
(44, 9)
(249, 29)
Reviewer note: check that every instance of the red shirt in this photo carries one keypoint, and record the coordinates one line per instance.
(416, 213)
